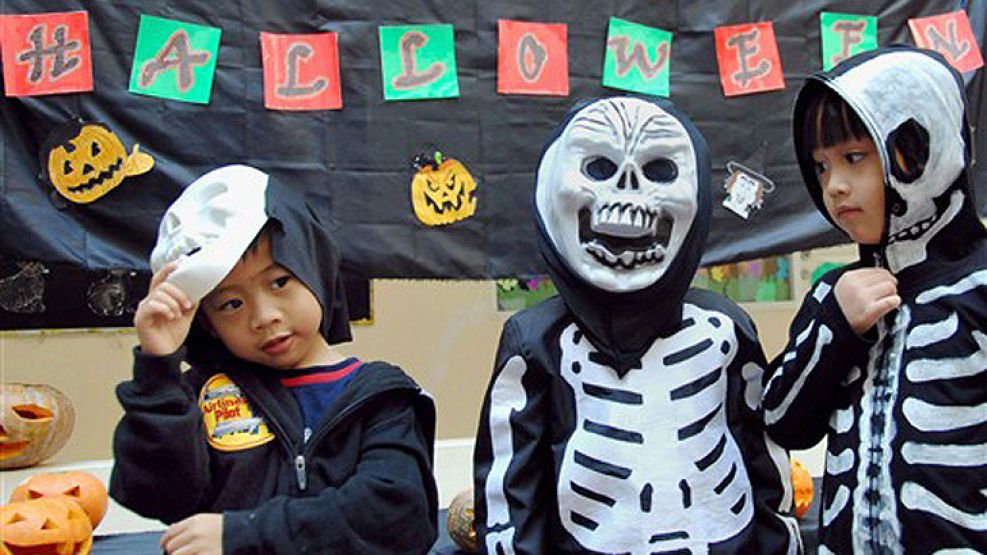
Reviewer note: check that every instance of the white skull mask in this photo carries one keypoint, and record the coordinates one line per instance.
(617, 192)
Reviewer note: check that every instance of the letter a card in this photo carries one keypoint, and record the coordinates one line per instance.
(748, 58)
(950, 35)
(532, 58)
(638, 58)
(301, 72)
(418, 61)
(46, 53)
(174, 60)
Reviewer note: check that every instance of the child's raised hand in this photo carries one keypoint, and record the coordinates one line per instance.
(165, 315)
(865, 295)
(200, 534)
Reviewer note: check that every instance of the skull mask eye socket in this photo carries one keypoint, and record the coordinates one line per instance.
(661, 170)
(599, 168)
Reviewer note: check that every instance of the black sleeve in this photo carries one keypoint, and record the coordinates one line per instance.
(161, 460)
(512, 462)
(807, 377)
(388, 505)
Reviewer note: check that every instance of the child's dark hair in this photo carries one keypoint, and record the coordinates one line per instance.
(829, 121)
(264, 233)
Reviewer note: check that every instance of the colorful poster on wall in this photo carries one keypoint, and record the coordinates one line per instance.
(763, 280)
(748, 58)
(301, 72)
(950, 35)
(46, 53)
(174, 60)
(418, 62)
(844, 35)
(532, 58)
(638, 58)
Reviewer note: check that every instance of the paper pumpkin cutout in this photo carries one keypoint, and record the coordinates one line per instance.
(45, 525)
(83, 488)
(802, 484)
(442, 191)
(460, 521)
(35, 422)
(84, 161)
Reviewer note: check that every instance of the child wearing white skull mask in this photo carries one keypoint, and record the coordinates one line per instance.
(273, 442)
(886, 356)
(623, 415)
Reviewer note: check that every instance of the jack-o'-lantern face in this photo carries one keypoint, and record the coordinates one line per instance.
(35, 422)
(86, 161)
(83, 488)
(443, 193)
(45, 525)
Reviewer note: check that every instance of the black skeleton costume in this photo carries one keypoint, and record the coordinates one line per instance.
(904, 409)
(624, 415)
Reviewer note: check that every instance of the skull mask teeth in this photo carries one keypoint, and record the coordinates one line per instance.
(625, 234)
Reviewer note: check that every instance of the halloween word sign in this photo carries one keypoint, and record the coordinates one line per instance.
(638, 58)
(174, 60)
(418, 61)
(301, 72)
(532, 58)
(950, 35)
(46, 53)
(844, 35)
(748, 58)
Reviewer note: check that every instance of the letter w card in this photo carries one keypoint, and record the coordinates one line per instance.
(301, 72)
(532, 58)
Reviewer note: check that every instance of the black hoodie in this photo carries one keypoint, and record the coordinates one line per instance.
(904, 408)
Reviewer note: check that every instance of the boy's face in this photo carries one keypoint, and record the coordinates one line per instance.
(263, 314)
(852, 181)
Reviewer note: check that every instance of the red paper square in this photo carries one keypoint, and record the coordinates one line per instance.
(532, 58)
(950, 35)
(748, 58)
(301, 72)
(46, 53)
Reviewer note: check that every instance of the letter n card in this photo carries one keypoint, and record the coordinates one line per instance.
(748, 58)
(46, 53)
(532, 58)
(950, 35)
(301, 72)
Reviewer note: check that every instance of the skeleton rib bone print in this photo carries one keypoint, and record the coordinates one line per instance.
(670, 410)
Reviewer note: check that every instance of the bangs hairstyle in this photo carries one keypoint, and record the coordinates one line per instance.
(830, 121)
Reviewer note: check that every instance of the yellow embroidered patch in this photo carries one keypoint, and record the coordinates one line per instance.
(230, 421)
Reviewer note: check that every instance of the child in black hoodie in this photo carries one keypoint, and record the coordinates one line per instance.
(272, 442)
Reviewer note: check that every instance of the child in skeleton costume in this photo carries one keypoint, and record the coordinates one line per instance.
(887, 356)
(624, 415)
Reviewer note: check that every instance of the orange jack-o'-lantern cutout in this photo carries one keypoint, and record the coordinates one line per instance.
(44, 526)
(35, 422)
(84, 161)
(802, 484)
(460, 521)
(82, 487)
(443, 192)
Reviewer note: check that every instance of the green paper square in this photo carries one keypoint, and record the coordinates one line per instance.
(433, 66)
(832, 39)
(197, 41)
(638, 58)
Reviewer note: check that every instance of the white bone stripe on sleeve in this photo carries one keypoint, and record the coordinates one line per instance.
(823, 338)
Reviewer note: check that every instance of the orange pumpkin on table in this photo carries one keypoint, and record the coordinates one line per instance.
(82, 487)
(802, 484)
(43, 526)
(35, 422)
(459, 521)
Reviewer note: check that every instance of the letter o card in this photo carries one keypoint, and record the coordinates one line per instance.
(532, 58)
(46, 53)
(748, 58)
(301, 72)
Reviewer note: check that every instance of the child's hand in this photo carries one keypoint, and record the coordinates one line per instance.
(200, 534)
(865, 295)
(164, 317)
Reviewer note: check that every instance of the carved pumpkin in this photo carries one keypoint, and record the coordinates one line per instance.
(45, 526)
(35, 422)
(460, 521)
(82, 487)
(84, 161)
(443, 193)
(802, 484)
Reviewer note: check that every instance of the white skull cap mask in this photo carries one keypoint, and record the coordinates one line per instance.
(617, 192)
(209, 227)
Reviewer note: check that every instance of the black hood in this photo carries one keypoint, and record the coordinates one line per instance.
(623, 325)
(910, 100)
(301, 243)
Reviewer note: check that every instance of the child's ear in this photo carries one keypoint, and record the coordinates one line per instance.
(908, 147)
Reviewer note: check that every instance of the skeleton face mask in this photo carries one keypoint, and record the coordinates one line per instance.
(617, 192)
